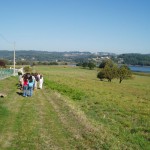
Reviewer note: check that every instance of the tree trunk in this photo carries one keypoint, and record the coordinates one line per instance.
(120, 80)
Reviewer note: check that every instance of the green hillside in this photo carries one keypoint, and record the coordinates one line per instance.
(75, 110)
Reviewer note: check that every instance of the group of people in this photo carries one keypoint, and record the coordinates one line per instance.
(29, 82)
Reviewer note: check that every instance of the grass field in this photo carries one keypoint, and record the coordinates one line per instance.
(75, 110)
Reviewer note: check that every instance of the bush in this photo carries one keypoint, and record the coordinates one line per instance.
(124, 72)
(101, 75)
(2, 64)
(27, 69)
(19, 73)
(106, 62)
(91, 65)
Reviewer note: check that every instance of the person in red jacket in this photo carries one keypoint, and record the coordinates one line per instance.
(25, 86)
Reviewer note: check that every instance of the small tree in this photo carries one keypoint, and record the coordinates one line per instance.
(101, 75)
(85, 64)
(27, 69)
(91, 65)
(105, 62)
(110, 72)
(124, 72)
(2, 64)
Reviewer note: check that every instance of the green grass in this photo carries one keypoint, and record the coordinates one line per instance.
(76, 111)
(3, 115)
(142, 74)
(73, 93)
(122, 108)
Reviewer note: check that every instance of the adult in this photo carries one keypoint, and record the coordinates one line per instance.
(25, 86)
(41, 82)
(20, 77)
(34, 80)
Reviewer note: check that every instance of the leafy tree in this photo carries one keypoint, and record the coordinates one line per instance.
(20, 62)
(79, 64)
(27, 69)
(85, 64)
(105, 62)
(53, 63)
(124, 72)
(2, 63)
(110, 72)
(101, 75)
(136, 59)
(91, 65)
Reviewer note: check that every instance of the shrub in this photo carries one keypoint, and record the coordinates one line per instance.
(91, 65)
(2, 64)
(124, 72)
(101, 75)
(27, 69)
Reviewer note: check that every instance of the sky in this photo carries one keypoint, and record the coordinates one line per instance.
(116, 26)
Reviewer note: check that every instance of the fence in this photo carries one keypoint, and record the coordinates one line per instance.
(5, 73)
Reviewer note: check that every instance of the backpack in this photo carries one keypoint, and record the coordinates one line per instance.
(30, 84)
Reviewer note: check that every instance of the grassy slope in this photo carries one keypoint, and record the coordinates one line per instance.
(107, 116)
(122, 108)
(44, 121)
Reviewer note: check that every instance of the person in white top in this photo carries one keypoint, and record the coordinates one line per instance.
(34, 82)
(41, 82)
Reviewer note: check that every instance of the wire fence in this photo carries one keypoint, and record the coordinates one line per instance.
(5, 73)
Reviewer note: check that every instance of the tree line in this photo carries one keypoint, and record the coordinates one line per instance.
(136, 59)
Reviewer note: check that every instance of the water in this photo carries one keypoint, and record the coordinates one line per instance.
(140, 68)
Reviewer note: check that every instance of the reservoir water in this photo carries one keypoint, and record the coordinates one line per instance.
(140, 68)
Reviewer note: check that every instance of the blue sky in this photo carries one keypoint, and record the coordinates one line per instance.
(118, 26)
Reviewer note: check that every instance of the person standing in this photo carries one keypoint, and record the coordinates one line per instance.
(38, 80)
(34, 80)
(41, 82)
(20, 79)
(25, 86)
(21, 83)
(30, 86)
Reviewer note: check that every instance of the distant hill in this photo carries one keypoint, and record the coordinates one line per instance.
(32, 55)
(74, 56)
(136, 59)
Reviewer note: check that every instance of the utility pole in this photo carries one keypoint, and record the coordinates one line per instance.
(14, 58)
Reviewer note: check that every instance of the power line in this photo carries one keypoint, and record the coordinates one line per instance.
(14, 44)
(3, 37)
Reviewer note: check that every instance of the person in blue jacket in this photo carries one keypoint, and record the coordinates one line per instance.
(30, 86)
